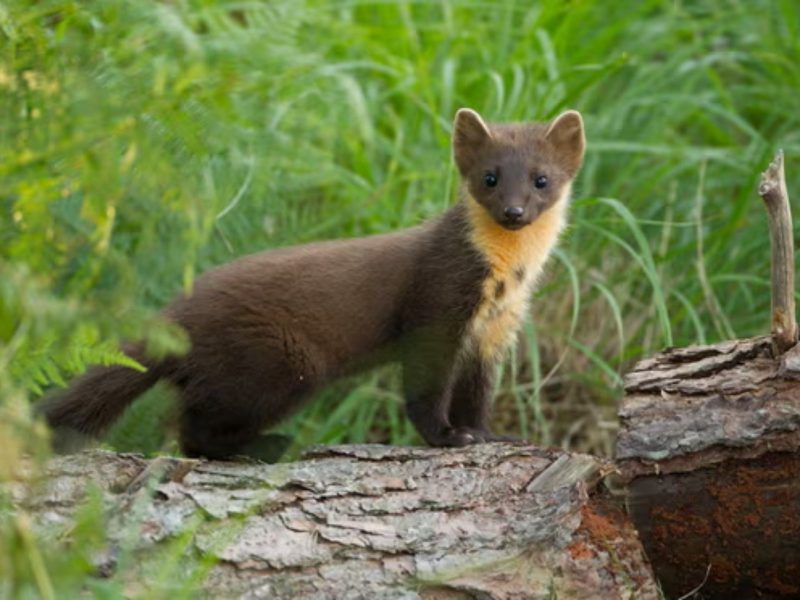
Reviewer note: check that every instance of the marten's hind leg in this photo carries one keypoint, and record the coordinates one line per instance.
(209, 435)
(226, 405)
(217, 428)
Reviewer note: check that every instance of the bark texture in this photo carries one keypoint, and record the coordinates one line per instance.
(709, 449)
(486, 521)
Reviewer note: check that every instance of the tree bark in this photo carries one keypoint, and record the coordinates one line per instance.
(708, 447)
(486, 521)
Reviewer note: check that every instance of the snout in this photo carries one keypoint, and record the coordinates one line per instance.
(514, 217)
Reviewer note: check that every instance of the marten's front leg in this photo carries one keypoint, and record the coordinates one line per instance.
(428, 376)
(472, 394)
(471, 403)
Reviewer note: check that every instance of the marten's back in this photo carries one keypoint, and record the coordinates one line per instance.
(341, 298)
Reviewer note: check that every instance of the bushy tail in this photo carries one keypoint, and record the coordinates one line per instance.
(96, 399)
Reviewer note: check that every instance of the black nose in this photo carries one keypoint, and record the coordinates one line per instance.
(513, 213)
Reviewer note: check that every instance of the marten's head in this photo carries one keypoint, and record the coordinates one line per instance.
(516, 171)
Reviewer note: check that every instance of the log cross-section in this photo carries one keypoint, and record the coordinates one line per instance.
(709, 447)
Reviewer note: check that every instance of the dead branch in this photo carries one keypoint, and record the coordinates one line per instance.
(772, 190)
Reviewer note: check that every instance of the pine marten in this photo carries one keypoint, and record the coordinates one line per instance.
(444, 299)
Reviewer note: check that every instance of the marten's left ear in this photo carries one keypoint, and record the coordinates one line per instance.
(566, 134)
(470, 134)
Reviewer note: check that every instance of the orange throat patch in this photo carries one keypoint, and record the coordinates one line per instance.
(516, 259)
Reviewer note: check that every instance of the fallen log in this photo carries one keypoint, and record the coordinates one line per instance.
(708, 448)
(486, 521)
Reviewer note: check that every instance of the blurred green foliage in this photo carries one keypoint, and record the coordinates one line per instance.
(142, 142)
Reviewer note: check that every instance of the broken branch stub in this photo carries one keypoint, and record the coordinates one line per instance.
(772, 190)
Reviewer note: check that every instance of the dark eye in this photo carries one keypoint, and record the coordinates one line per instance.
(490, 179)
(540, 182)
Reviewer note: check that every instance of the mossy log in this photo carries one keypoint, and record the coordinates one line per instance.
(367, 521)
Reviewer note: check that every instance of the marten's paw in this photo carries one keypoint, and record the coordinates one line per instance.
(464, 436)
(453, 437)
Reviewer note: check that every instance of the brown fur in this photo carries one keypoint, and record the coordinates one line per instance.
(442, 298)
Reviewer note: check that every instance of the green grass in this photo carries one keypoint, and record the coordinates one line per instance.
(143, 142)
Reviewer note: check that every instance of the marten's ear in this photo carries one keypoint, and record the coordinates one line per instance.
(470, 133)
(566, 134)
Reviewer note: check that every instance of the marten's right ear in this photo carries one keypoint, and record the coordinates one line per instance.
(566, 134)
(470, 133)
